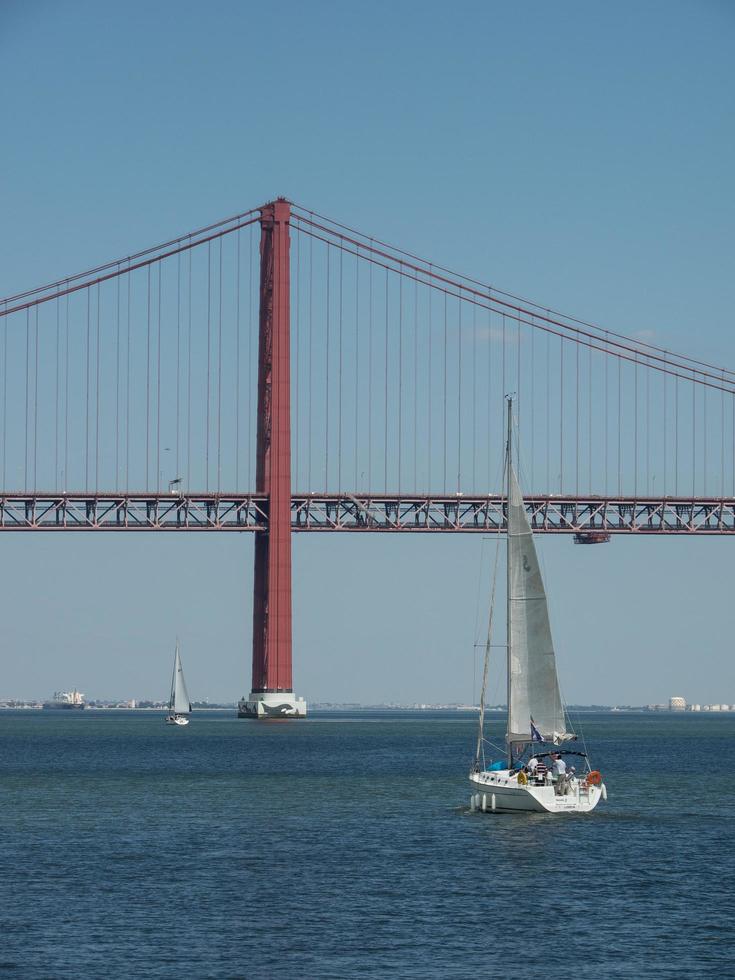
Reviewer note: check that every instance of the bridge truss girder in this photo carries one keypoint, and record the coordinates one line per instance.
(362, 513)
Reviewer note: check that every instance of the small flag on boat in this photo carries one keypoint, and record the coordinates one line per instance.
(535, 733)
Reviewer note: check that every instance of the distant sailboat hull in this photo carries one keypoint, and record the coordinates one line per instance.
(177, 720)
(510, 796)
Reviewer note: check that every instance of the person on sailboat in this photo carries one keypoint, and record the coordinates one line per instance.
(539, 773)
(559, 774)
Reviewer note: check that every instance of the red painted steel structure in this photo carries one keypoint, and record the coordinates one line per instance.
(364, 513)
(272, 512)
(272, 671)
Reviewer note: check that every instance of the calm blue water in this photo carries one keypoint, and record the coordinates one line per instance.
(342, 847)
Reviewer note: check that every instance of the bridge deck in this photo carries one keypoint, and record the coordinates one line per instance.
(549, 514)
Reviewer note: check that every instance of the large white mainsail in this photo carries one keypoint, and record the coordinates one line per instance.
(180, 703)
(533, 685)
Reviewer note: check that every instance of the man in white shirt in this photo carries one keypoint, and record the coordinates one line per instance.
(559, 774)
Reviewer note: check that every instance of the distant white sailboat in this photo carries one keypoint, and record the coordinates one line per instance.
(179, 705)
(528, 779)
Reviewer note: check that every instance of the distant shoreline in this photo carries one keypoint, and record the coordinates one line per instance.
(335, 708)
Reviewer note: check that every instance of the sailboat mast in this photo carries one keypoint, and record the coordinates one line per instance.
(508, 463)
(172, 698)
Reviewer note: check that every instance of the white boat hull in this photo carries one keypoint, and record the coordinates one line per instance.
(501, 792)
(177, 720)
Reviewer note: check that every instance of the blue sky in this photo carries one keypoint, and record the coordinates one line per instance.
(578, 154)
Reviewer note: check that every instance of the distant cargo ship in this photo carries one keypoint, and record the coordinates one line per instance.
(66, 700)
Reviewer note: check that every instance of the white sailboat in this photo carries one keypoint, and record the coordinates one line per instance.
(537, 774)
(179, 705)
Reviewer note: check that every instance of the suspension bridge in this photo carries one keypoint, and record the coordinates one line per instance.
(279, 372)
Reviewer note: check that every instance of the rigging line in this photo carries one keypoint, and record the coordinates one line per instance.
(505, 390)
(129, 259)
(219, 372)
(209, 363)
(326, 386)
(178, 366)
(474, 399)
(635, 430)
(488, 647)
(385, 442)
(357, 368)
(311, 348)
(158, 387)
(297, 440)
(25, 455)
(676, 438)
(589, 424)
(574, 339)
(532, 401)
(251, 413)
(370, 376)
(86, 440)
(237, 364)
(489, 397)
(56, 400)
(66, 396)
(476, 631)
(459, 391)
(704, 442)
(578, 335)
(415, 383)
(132, 268)
(722, 443)
(339, 411)
(648, 429)
(148, 383)
(35, 403)
(548, 410)
(5, 401)
(606, 361)
(694, 434)
(485, 287)
(576, 420)
(518, 399)
(400, 377)
(97, 398)
(117, 384)
(445, 394)
(561, 415)
(665, 440)
(620, 427)
(429, 380)
(127, 386)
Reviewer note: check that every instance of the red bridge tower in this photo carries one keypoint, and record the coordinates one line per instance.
(272, 691)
